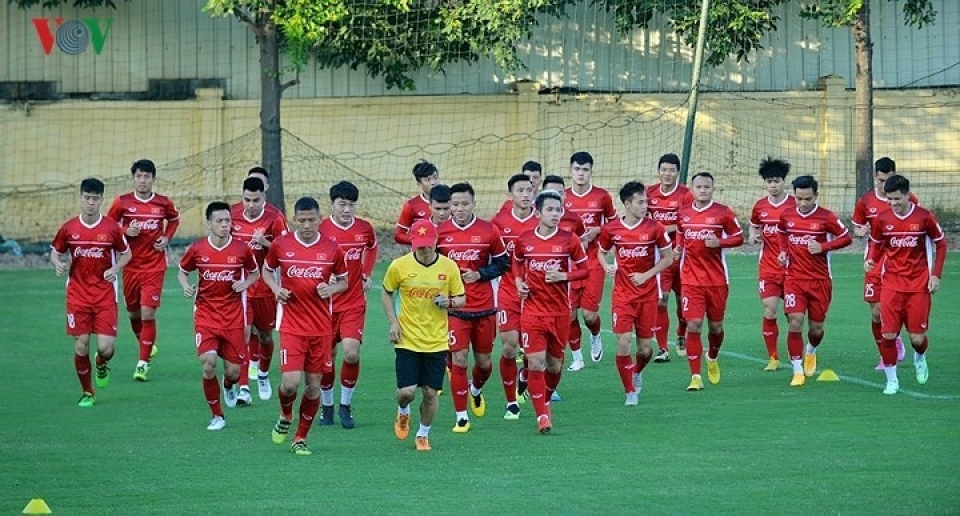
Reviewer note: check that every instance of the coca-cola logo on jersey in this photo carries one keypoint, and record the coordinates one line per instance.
(88, 252)
(467, 255)
(209, 275)
(551, 265)
(633, 252)
(149, 225)
(423, 293)
(703, 234)
(665, 216)
(801, 239)
(907, 241)
(511, 245)
(312, 272)
(770, 229)
(352, 254)
(587, 218)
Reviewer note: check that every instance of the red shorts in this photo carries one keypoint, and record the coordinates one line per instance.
(308, 354)
(770, 286)
(670, 279)
(548, 333)
(230, 344)
(640, 315)
(808, 296)
(592, 291)
(476, 333)
(262, 313)
(698, 301)
(99, 320)
(910, 309)
(349, 324)
(872, 287)
(142, 289)
(508, 318)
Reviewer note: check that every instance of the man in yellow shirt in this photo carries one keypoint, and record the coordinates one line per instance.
(428, 285)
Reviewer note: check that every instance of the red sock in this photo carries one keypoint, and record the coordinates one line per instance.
(228, 383)
(253, 346)
(480, 376)
(349, 374)
(508, 377)
(594, 327)
(641, 363)
(308, 410)
(286, 404)
(877, 334)
(101, 360)
(552, 381)
(663, 327)
(625, 369)
(327, 379)
(266, 355)
(211, 391)
(922, 348)
(459, 386)
(715, 340)
(137, 326)
(795, 345)
(82, 365)
(538, 390)
(694, 351)
(244, 379)
(771, 332)
(815, 338)
(575, 334)
(148, 334)
(888, 351)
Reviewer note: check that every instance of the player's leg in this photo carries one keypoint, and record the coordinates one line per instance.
(407, 368)
(349, 373)
(318, 360)
(662, 330)
(771, 291)
(590, 304)
(264, 322)
(795, 318)
(916, 310)
(509, 322)
(207, 353)
(80, 324)
(817, 296)
(533, 338)
(131, 300)
(693, 303)
(575, 332)
(623, 323)
(459, 342)
(482, 334)
(431, 372)
(149, 288)
(293, 355)
(105, 327)
(893, 316)
(644, 327)
(329, 378)
(553, 369)
(233, 351)
(681, 318)
(716, 299)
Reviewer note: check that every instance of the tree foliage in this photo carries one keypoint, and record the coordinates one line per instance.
(843, 13)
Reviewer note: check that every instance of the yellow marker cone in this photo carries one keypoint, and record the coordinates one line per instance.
(37, 506)
(828, 376)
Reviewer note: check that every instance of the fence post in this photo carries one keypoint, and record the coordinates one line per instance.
(833, 145)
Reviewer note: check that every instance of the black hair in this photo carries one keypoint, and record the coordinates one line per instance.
(516, 178)
(705, 174)
(581, 158)
(440, 193)
(804, 182)
(216, 206)
(552, 179)
(628, 190)
(258, 170)
(143, 165)
(463, 188)
(424, 169)
(306, 204)
(669, 158)
(771, 168)
(532, 166)
(544, 195)
(253, 184)
(896, 183)
(885, 165)
(344, 190)
(91, 185)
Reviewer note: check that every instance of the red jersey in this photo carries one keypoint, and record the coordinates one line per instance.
(534, 256)
(358, 243)
(300, 268)
(638, 249)
(907, 242)
(663, 206)
(472, 247)
(595, 208)
(271, 222)
(149, 215)
(92, 251)
(870, 206)
(416, 208)
(511, 228)
(766, 217)
(798, 230)
(216, 304)
(701, 265)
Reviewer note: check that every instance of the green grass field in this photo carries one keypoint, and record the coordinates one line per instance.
(751, 445)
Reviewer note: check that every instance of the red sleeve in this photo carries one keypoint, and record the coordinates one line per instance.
(842, 239)
(678, 236)
(497, 247)
(876, 243)
(272, 260)
(732, 228)
(404, 221)
(370, 255)
(859, 217)
(579, 259)
(115, 212)
(755, 216)
(188, 262)
(518, 261)
(59, 243)
(936, 234)
(580, 229)
(339, 265)
(663, 239)
(120, 241)
(687, 199)
(782, 233)
(279, 226)
(604, 240)
(249, 260)
(173, 221)
(609, 210)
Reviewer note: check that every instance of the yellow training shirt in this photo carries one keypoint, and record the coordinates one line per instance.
(423, 325)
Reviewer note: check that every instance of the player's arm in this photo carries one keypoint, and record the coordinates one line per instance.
(754, 230)
(338, 278)
(861, 227)
(841, 240)
(253, 274)
(733, 232)
(401, 234)
(666, 255)
(784, 241)
(456, 297)
(605, 248)
(391, 282)
(498, 265)
(58, 252)
(369, 260)
(578, 264)
(268, 274)
(935, 233)
(518, 269)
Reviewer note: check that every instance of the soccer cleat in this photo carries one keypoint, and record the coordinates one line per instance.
(326, 415)
(423, 443)
(478, 405)
(300, 448)
(87, 400)
(401, 426)
(681, 347)
(140, 373)
(893, 387)
(253, 371)
(920, 365)
(637, 382)
(264, 389)
(772, 365)
(103, 375)
(521, 386)
(462, 426)
(217, 423)
(154, 350)
(809, 364)
(543, 424)
(520, 356)
(696, 383)
(632, 399)
(576, 366)
(798, 380)
(512, 413)
(713, 371)
(244, 397)
(596, 348)
(280, 430)
(346, 417)
(662, 356)
(230, 396)
(555, 396)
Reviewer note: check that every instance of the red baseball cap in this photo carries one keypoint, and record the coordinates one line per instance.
(423, 234)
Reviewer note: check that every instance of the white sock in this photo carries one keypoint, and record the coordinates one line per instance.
(346, 395)
(142, 363)
(811, 350)
(577, 355)
(462, 414)
(891, 372)
(424, 431)
(254, 364)
(326, 397)
(797, 365)
(919, 357)
(473, 390)
(404, 411)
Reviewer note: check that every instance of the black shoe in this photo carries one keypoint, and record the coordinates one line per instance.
(326, 415)
(521, 384)
(662, 356)
(346, 417)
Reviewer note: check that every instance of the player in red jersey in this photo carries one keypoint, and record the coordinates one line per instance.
(868, 207)
(595, 208)
(475, 246)
(149, 221)
(226, 268)
(764, 220)
(532, 170)
(305, 271)
(808, 234)
(903, 239)
(641, 250)
(93, 242)
(664, 199)
(512, 223)
(257, 224)
(546, 260)
(418, 206)
(358, 242)
(704, 230)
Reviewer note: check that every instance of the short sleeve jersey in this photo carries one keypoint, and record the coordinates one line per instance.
(821, 225)
(148, 215)
(537, 255)
(908, 247)
(472, 247)
(701, 265)
(637, 248)
(765, 216)
(595, 208)
(216, 304)
(663, 206)
(356, 241)
(511, 227)
(423, 325)
(271, 222)
(92, 250)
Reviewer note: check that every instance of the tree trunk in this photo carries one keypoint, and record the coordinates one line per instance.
(863, 114)
(270, 93)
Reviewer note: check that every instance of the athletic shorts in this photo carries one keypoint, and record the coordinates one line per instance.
(550, 333)
(99, 320)
(639, 315)
(770, 286)
(312, 354)
(808, 296)
(262, 312)
(698, 301)
(872, 286)
(142, 289)
(423, 369)
(228, 343)
(508, 318)
(670, 279)
(899, 309)
(592, 290)
(477, 334)
(349, 324)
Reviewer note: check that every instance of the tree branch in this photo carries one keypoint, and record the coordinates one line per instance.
(289, 84)
(245, 19)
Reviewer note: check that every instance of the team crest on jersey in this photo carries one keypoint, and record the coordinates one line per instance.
(889, 228)
(507, 230)
(358, 238)
(873, 210)
(763, 214)
(914, 227)
(616, 237)
(568, 205)
(290, 254)
(421, 214)
(557, 249)
(591, 205)
(321, 256)
(156, 211)
(476, 239)
(790, 224)
(654, 201)
(711, 220)
(686, 219)
(204, 259)
(673, 204)
(133, 209)
(231, 259)
(442, 277)
(529, 248)
(102, 238)
(644, 237)
(236, 228)
(448, 239)
(75, 236)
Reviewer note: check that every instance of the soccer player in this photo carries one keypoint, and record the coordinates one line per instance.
(532, 170)
(149, 220)
(358, 242)
(513, 223)
(305, 271)
(440, 199)
(704, 229)
(418, 206)
(257, 226)
(664, 199)
(428, 285)
(93, 243)
(641, 250)
(902, 238)
(226, 268)
(808, 233)
(868, 208)
(764, 220)
(595, 208)
(475, 246)
(546, 260)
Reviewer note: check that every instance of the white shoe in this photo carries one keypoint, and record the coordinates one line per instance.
(244, 398)
(596, 348)
(920, 365)
(576, 366)
(637, 382)
(893, 387)
(230, 396)
(632, 399)
(264, 387)
(253, 370)
(217, 423)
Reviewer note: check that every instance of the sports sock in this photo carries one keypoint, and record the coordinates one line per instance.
(890, 372)
(594, 326)
(575, 335)
(681, 322)
(326, 396)
(715, 340)
(538, 390)
(459, 386)
(552, 380)
(771, 332)
(694, 351)
(148, 334)
(877, 334)
(137, 326)
(286, 404)
(266, 355)
(641, 363)
(82, 365)
(814, 339)
(101, 360)
(348, 381)
(327, 379)
(308, 411)
(795, 345)
(508, 377)
(244, 379)
(625, 369)
(211, 391)
(480, 376)
(888, 351)
(423, 431)
(663, 327)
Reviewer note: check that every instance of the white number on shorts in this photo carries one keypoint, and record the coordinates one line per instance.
(283, 356)
(501, 317)
(789, 300)
(614, 318)
(71, 321)
(685, 302)
(198, 338)
(451, 339)
(868, 290)
(763, 286)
